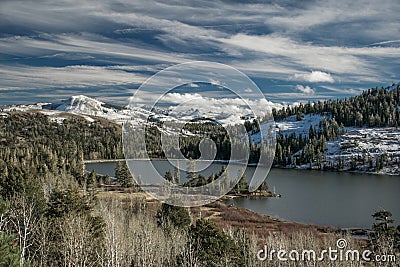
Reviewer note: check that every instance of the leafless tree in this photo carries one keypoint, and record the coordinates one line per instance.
(79, 247)
(133, 238)
(23, 220)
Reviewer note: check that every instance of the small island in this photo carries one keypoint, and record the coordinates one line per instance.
(124, 182)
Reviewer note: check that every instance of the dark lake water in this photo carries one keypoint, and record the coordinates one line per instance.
(323, 198)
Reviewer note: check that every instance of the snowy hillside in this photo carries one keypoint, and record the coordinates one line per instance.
(291, 125)
(362, 149)
(91, 108)
(359, 149)
(373, 150)
(83, 105)
(79, 105)
(88, 107)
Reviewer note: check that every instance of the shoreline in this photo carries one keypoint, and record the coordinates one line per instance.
(254, 194)
(234, 217)
(252, 165)
(228, 216)
(231, 216)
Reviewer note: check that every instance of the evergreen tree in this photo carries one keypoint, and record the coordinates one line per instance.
(263, 187)
(175, 215)
(242, 185)
(9, 251)
(384, 221)
(191, 171)
(386, 237)
(168, 176)
(107, 180)
(213, 247)
(123, 175)
(223, 177)
(91, 179)
(177, 174)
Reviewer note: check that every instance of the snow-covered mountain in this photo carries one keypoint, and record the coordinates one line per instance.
(85, 105)
(356, 142)
(82, 105)
(88, 108)
(91, 108)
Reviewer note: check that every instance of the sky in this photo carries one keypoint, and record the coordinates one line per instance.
(293, 50)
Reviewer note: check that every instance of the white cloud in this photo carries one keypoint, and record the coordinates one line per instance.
(193, 85)
(204, 105)
(91, 44)
(325, 19)
(66, 77)
(273, 41)
(215, 82)
(335, 59)
(315, 76)
(305, 89)
(386, 42)
(345, 91)
(177, 98)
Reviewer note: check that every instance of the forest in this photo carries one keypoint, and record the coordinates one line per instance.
(51, 212)
(373, 108)
(54, 213)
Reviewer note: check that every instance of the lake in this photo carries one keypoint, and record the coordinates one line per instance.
(324, 198)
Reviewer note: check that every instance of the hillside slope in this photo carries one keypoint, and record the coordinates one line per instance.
(356, 134)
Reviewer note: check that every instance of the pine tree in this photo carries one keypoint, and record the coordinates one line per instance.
(191, 173)
(91, 179)
(123, 175)
(223, 177)
(9, 251)
(263, 187)
(387, 237)
(213, 246)
(107, 180)
(311, 133)
(242, 185)
(175, 215)
(168, 176)
(177, 173)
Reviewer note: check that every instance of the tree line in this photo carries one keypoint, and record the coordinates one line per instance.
(51, 213)
(375, 107)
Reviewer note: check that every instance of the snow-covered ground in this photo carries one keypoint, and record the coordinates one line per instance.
(291, 125)
(364, 144)
(359, 148)
(364, 147)
(25, 107)
(265, 128)
(91, 108)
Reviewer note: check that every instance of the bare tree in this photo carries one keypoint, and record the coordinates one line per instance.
(133, 237)
(23, 222)
(79, 247)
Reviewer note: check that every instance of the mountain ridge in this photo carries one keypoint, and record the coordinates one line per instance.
(359, 147)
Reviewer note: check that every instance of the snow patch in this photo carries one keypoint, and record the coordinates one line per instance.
(291, 125)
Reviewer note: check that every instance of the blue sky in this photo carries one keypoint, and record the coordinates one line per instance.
(293, 50)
